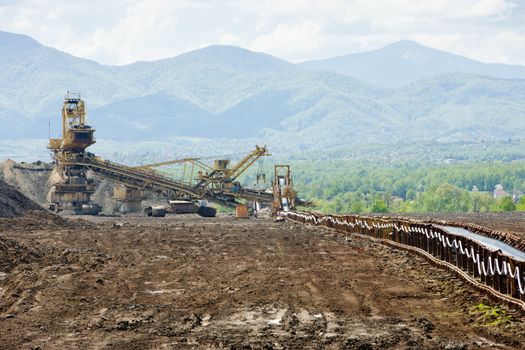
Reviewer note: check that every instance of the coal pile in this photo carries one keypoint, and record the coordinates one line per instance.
(13, 203)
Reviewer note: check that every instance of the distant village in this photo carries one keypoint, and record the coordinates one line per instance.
(500, 192)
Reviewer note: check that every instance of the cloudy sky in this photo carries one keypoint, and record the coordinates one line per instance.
(124, 31)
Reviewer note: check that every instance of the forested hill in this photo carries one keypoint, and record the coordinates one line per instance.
(229, 93)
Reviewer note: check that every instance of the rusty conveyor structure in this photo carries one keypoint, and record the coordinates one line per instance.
(156, 182)
(75, 188)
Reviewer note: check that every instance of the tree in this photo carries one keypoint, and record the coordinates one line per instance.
(521, 204)
(379, 206)
(505, 204)
(443, 198)
(411, 195)
(481, 201)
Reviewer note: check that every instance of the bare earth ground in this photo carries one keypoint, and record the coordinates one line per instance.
(189, 282)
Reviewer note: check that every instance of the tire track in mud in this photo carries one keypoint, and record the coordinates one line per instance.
(226, 283)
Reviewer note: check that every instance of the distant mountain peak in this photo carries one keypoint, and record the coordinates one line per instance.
(230, 51)
(406, 43)
(225, 48)
(234, 57)
(17, 41)
(407, 61)
(409, 46)
(226, 92)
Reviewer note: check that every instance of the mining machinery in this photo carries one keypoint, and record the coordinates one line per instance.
(219, 179)
(223, 178)
(283, 192)
(74, 190)
(220, 176)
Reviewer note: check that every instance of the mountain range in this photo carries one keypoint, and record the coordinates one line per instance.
(402, 92)
(405, 62)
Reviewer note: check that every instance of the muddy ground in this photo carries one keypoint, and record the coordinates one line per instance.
(189, 282)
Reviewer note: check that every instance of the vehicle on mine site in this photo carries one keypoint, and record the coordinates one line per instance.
(199, 181)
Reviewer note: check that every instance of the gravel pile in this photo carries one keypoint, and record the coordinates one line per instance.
(13, 203)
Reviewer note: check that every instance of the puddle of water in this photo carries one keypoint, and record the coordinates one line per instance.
(159, 291)
(276, 322)
(164, 291)
(206, 320)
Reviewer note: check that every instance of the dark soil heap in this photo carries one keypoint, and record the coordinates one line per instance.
(12, 253)
(13, 203)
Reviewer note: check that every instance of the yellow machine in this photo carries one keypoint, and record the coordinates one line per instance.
(128, 199)
(74, 190)
(76, 134)
(220, 177)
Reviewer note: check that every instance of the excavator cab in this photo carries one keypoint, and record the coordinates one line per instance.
(76, 134)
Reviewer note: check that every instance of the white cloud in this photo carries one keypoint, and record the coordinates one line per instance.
(290, 40)
(228, 39)
(486, 8)
(123, 31)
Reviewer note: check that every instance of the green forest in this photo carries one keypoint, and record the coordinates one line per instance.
(403, 178)
(418, 178)
(360, 186)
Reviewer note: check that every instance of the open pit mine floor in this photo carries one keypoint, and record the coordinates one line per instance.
(185, 282)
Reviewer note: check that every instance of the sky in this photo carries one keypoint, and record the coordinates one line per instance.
(124, 31)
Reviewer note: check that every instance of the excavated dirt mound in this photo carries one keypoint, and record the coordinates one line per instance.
(40, 220)
(13, 202)
(32, 179)
(12, 253)
(35, 180)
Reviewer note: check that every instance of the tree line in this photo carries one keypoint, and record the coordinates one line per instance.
(361, 186)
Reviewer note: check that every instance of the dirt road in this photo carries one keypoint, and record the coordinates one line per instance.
(189, 282)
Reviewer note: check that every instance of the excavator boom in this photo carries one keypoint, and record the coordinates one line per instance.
(168, 162)
(246, 162)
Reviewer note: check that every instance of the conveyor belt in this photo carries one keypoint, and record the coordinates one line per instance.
(491, 243)
(151, 180)
(487, 263)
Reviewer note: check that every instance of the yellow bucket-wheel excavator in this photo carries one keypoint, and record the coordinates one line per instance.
(217, 183)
